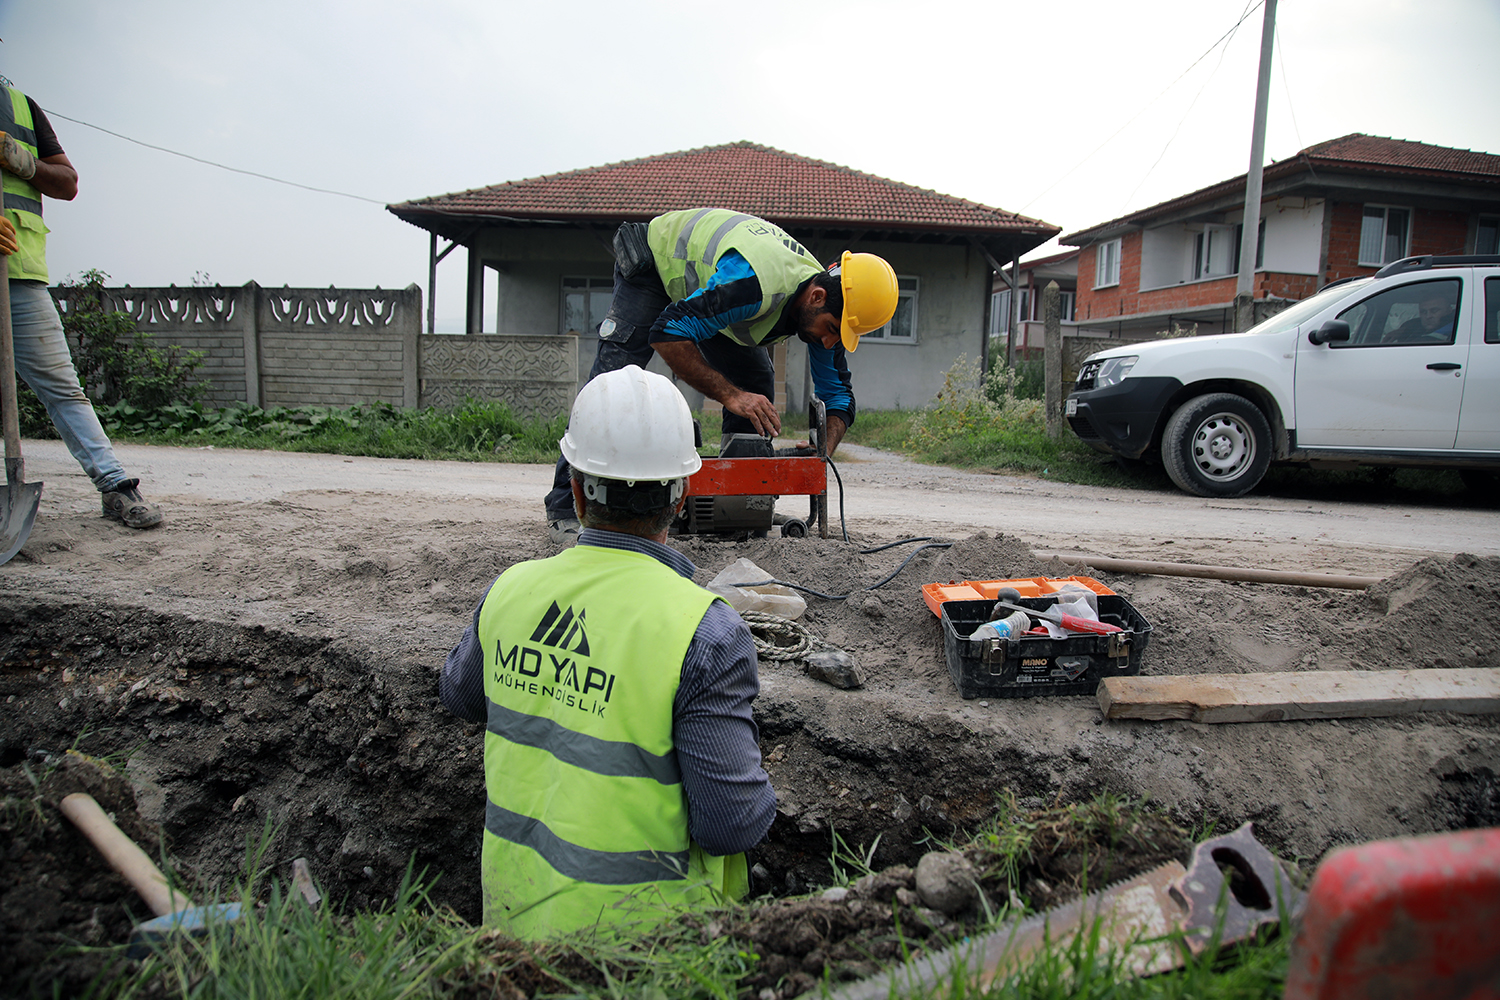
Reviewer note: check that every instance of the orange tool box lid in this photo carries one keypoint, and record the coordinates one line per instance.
(935, 594)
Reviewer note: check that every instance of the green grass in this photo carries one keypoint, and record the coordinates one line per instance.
(407, 948)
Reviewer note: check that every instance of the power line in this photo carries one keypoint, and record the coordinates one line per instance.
(1144, 108)
(1281, 60)
(211, 163)
(1224, 51)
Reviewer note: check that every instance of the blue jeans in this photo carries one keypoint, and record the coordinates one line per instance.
(43, 360)
(624, 339)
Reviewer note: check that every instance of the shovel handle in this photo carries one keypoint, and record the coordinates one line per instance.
(123, 855)
(9, 418)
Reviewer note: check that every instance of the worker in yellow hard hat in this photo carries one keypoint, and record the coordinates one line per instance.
(709, 289)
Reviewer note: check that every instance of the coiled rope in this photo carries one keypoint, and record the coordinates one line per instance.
(778, 638)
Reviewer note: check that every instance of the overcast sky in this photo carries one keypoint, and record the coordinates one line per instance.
(1072, 112)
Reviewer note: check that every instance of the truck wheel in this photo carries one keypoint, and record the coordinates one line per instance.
(1218, 445)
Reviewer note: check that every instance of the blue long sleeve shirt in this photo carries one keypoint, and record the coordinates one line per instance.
(730, 800)
(731, 295)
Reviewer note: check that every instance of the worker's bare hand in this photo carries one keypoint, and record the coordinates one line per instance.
(8, 244)
(757, 409)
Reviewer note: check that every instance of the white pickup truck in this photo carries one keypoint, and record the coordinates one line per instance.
(1400, 368)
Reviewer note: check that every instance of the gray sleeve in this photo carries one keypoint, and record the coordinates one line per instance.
(730, 800)
(461, 684)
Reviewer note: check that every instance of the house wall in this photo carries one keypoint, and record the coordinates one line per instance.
(1432, 232)
(952, 284)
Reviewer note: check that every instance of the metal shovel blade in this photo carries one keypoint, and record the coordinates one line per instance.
(21, 503)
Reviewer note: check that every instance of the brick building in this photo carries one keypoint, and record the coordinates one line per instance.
(1339, 208)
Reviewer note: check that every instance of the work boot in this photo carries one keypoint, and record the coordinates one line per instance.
(564, 530)
(124, 503)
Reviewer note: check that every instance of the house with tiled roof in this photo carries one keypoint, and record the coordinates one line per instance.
(1339, 208)
(547, 240)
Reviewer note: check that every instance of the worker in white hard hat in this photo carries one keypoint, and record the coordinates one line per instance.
(622, 763)
(709, 289)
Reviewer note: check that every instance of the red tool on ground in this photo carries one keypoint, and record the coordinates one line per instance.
(1416, 917)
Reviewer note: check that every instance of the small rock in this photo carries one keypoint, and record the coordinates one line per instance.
(809, 823)
(369, 872)
(930, 920)
(834, 666)
(902, 810)
(947, 881)
(908, 898)
(836, 895)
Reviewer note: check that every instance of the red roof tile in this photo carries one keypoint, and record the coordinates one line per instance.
(782, 187)
(1353, 153)
(1403, 155)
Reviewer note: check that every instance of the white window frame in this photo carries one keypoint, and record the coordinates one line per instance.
(591, 284)
(1107, 264)
(907, 286)
(1206, 263)
(1385, 211)
(1492, 223)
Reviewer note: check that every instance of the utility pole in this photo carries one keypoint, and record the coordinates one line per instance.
(1244, 300)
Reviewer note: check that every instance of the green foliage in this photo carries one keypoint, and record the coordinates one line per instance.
(475, 431)
(1027, 376)
(118, 363)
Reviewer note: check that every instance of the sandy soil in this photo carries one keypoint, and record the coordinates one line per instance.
(270, 654)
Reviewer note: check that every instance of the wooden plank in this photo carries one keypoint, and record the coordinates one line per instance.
(1315, 694)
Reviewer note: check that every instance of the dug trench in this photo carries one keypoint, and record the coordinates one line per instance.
(310, 709)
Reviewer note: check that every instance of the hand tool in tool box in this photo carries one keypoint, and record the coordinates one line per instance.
(1072, 623)
(937, 594)
(1159, 919)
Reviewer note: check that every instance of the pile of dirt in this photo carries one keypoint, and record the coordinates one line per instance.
(236, 690)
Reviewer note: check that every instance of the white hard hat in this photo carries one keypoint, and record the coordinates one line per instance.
(631, 425)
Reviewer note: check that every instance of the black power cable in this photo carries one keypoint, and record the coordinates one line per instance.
(873, 586)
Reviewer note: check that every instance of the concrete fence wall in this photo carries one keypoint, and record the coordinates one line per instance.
(343, 346)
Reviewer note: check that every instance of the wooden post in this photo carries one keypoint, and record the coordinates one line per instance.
(1052, 358)
(432, 262)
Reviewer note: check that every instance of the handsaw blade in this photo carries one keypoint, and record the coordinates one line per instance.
(1157, 919)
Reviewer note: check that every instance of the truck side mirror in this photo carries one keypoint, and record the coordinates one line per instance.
(1334, 329)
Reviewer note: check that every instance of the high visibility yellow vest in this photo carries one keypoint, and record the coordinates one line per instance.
(586, 819)
(687, 246)
(23, 202)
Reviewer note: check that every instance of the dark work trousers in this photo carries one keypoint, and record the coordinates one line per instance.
(624, 339)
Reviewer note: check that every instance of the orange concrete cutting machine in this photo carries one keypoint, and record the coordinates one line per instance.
(737, 492)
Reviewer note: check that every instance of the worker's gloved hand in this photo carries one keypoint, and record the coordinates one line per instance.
(8, 244)
(17, 158)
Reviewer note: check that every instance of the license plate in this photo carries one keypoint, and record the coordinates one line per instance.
(1070, 408)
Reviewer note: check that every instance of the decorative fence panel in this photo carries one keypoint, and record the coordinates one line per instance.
(343, 346)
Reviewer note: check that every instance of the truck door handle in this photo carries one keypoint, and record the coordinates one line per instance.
(1444, 366)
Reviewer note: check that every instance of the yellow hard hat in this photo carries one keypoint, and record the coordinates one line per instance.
(870, 295)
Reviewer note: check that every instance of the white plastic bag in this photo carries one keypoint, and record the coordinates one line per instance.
(772, 598)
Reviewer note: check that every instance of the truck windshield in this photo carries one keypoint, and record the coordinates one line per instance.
(1295, 314)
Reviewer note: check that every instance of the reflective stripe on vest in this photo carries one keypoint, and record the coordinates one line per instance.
(586, 820)
(23, 202)
(688, 245)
